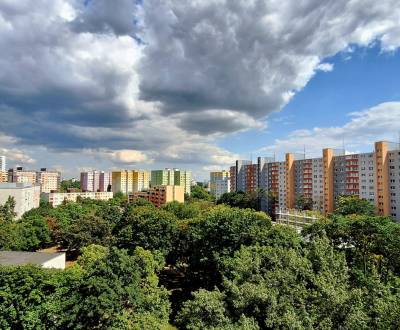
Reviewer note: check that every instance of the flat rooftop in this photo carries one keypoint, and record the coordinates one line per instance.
(15, 185)
(15, 258)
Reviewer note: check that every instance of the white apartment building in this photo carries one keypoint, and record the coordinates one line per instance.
(95, 181)
(222, 186)
(26, 196)
(56, 199)
(3, 164)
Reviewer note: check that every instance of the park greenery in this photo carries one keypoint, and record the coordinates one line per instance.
(201, 265)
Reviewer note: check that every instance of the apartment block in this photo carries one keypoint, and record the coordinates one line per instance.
(48, 180)
(172, 177)
(3, 163)
(130, 181)
(160, 195)
(26, 196)
(95, 181)
(374, 176)
(183, 178)
(56, 199)
(219, 183)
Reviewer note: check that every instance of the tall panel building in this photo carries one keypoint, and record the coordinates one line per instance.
(130, 181)
(374, 176)
(95, 181)
(48, 180)
(3, 169)
(219, 183)
(172, 177)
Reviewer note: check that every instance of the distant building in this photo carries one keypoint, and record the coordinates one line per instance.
(26, 196)
(130, 181)
(95, 181)
(56, 199)
(219, 183)
(160, 195)
(172, 177)
(48, 180)
(43, 259)
(3, 171)
(3, 164)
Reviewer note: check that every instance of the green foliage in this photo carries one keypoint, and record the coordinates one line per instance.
(241, 200)
(7, 213)
(303, 203)
(183, 210)
(348, 205)
(108, 289)
(199, 192)
(69, 184)
(148, 227)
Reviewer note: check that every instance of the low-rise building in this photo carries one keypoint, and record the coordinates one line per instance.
(56, 199)
(43, 259)
(26, 196)
(160, 195)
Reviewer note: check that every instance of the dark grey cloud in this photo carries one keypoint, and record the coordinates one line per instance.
(247, 56)
(105, 16)
(166, 76)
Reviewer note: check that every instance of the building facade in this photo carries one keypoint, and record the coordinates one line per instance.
(3, 164)
(172, 177)
(26, 196)
(160, 195)
(220, 183)
(130, 181)
(95, 181)
(48, 180)
(56, 199)
(374, 176)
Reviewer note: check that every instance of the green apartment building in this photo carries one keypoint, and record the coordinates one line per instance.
(172, 177)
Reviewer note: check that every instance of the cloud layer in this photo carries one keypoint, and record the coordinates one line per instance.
(160, 80)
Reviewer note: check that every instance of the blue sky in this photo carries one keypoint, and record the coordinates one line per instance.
(359, 80)
(149, 84)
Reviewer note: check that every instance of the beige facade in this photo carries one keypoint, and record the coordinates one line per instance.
(130, 181)
(56, 199)
(160, 195)
(50, 181)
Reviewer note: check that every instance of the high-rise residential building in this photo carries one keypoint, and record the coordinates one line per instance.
(129, 181)
(48, 180)
(3, 164)
(172, 177)
(26, 196)
(95, 181)
(160, 195)
(374, 176)
(219, 183)
(183, 178)
(3, 169)
(164, 177)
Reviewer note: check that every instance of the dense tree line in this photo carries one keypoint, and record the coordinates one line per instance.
(201, 266)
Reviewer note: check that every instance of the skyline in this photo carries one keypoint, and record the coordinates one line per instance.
(154, 84)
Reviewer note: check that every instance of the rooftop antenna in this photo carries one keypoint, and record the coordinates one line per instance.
(304, 150)
(251, 157)
(343, 146)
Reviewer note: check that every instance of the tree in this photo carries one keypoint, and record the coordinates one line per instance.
(7, 213)
(107, 289)
(182, 210)
(304, 203)
(87, 230)
(148, 227)
(219, 232)
(199, 192)
(354, 205)
(69, 184)
(241, 200)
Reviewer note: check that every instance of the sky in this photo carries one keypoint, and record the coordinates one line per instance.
(195, 84)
